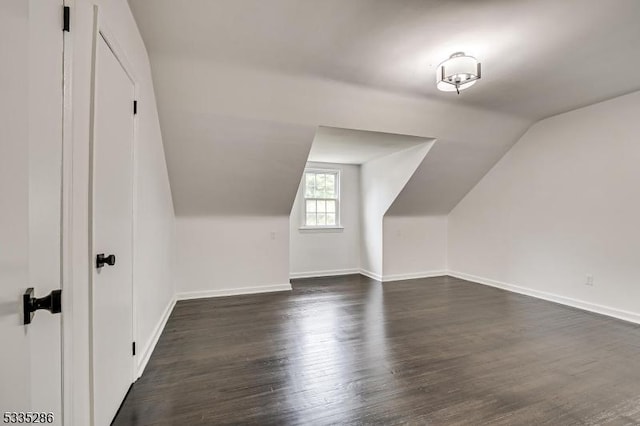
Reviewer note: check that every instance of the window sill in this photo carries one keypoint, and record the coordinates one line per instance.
(320, 229)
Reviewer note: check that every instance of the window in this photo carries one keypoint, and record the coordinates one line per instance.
(321, 198)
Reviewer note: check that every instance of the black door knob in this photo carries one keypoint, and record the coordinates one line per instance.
(102, 260)
(30, 304)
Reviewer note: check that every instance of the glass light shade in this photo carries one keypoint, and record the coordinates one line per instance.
(446, 87)
(457, 73)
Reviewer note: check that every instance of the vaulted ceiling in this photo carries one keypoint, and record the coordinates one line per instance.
(289, 66)
(539, 56)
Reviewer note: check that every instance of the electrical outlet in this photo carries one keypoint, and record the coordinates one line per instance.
(589, 281)
(273, 235)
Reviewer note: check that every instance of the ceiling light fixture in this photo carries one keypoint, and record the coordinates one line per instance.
(457, 73)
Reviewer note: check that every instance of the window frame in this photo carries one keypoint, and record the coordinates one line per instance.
(336, 173)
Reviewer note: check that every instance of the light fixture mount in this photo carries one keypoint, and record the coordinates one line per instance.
(457, 73)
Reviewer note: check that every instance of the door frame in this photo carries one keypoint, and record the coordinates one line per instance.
(66, 234)
(77, 229)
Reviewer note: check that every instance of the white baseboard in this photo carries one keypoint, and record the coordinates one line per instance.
(575, 303)
(232, 291)
(413, 275)
(145, 355)
(371, 275)
(330, 273)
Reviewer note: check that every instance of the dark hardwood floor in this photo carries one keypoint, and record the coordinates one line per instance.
(350, 350)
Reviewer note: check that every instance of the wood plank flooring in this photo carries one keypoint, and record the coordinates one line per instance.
(349, 350)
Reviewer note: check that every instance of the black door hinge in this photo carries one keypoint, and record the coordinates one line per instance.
(66, 18)
(135, 107)
(133, 348)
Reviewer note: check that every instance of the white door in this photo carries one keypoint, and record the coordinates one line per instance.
(112, 313)
(31, 42)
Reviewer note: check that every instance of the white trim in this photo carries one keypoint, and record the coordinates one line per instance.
(111, 41)
(338, 179)
(371, 275)
(330, 273)
(155, 336)
(90, 202)
(67, 229)
(563, 300)
(320, 229)
(414, 275)
(188, 295)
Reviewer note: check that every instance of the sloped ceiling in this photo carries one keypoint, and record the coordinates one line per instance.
(235, 166)
(448, 161)
(538, 56)
(347, 146)
(236, 77)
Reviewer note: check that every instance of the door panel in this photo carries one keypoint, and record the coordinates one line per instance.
(112, 234)
(14, 205)
(30, 194)
(45, 206)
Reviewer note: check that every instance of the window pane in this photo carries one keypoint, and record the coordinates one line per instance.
(311, 206)
(321, 198)
(320, 185)
(331, 206)
(331, 185)
(311, 219)
(331, 218)
(309, 185)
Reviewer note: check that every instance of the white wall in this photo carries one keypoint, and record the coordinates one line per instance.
(561, 204)
(414, 247)
(219, 255)
(381, 180)
(327, 252)
(154, 216)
